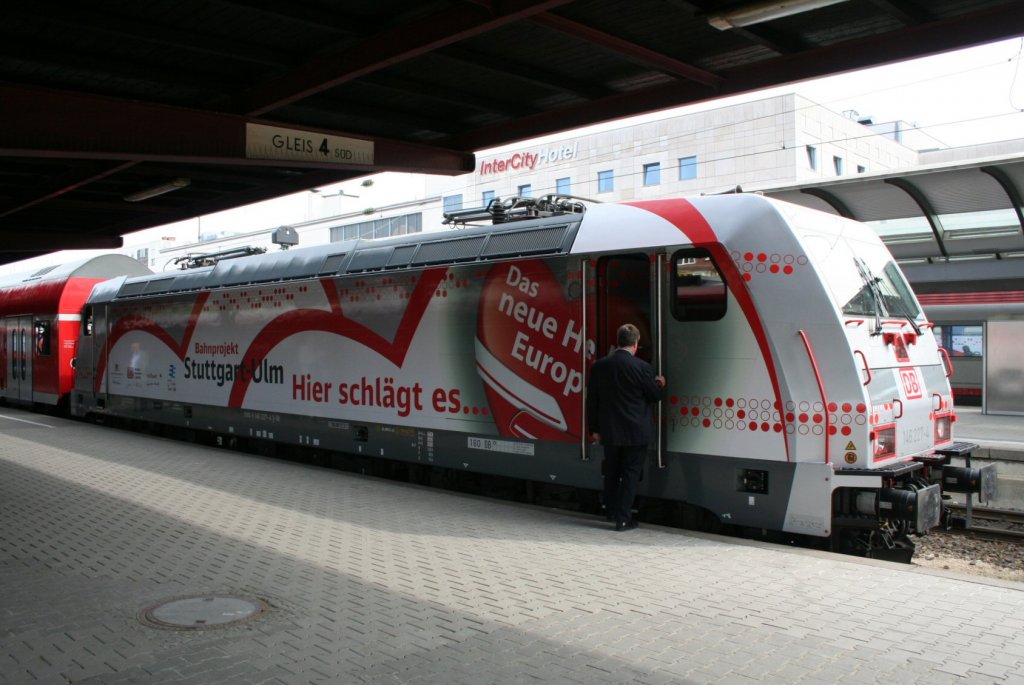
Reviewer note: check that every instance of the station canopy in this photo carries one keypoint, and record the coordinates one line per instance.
(125, 115)
(957, 211)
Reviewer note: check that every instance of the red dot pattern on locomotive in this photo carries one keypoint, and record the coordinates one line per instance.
(753, 264)
(765, 416)
(258, 298)
(382, 289)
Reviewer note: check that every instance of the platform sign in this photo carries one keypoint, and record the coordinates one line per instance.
(296, 145)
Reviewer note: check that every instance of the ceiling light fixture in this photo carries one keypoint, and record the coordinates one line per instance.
(176, 184)
(765, 11)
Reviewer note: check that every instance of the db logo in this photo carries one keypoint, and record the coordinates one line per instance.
(911, 383)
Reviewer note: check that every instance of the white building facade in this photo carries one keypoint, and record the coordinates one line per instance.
(762, 144)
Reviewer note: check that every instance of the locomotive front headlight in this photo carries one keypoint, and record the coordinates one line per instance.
(943, 429)
(883, 443)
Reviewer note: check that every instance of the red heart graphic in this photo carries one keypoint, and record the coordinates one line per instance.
(290, 323)
(528, 353)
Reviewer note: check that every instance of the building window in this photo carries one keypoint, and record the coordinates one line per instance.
(525, 190)
(687, 168)
(142, 255)
(487, 197)
(379, 228)
(652, 174)
(563, 186)
(605, 181)
(837, 162)
(861, 169)
(452, 203)
(812, 156)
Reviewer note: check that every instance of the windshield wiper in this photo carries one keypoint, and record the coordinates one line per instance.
(905, 313)
(876, 296)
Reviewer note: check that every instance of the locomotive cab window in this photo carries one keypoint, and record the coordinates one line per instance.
(698, 288)
(42, 330)
(87, 320)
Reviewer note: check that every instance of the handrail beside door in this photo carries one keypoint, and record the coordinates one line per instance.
(659, 275)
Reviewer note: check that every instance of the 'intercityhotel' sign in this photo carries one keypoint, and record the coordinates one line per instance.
(528, 161)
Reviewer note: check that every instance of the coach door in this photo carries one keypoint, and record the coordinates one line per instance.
(628, 291)
(26, 338)
(17, 354)
(5, 360)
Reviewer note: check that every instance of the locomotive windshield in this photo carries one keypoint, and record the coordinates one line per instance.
(864, 279)
(884, 294)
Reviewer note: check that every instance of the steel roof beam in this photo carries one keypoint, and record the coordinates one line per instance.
(386, 49)
(777, 41)
(526, 73)
(40, 242)
(905, 12)
(452, 96)
(941, 36)
(831, 200)
(89, 18)
(1011, 190)
(658, 60)
(36, 126)
(138, 69)
(334, 21)
(61, 185)
(926, 208)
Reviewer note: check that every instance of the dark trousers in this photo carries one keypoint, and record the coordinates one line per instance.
(623, 465)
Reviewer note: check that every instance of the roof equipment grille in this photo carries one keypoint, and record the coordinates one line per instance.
(525, 242)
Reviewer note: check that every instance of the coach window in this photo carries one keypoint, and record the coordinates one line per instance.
(966, 341)
(698, 289)
(42, 338)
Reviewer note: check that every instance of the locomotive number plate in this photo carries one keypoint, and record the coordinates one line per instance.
(500, 446)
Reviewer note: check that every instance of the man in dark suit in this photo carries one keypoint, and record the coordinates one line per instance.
(620, 393)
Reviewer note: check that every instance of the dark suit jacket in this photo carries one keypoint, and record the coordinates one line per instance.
(619, 397)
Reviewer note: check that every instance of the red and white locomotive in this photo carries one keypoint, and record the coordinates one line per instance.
(804, 393)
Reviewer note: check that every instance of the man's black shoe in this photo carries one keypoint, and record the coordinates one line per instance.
(625, 525)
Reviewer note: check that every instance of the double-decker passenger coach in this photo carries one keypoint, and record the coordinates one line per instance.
(39, 323)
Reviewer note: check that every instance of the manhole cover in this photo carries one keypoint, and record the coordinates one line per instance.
(200, 613)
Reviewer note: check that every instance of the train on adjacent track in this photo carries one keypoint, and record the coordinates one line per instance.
(964, 323)
(805, 394)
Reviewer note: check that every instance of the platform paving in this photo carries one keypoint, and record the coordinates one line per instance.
(371, 581)
(998, 436)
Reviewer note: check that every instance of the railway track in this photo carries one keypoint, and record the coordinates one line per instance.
(987, 522)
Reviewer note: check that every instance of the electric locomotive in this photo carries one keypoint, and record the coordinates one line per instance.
(804, 394)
